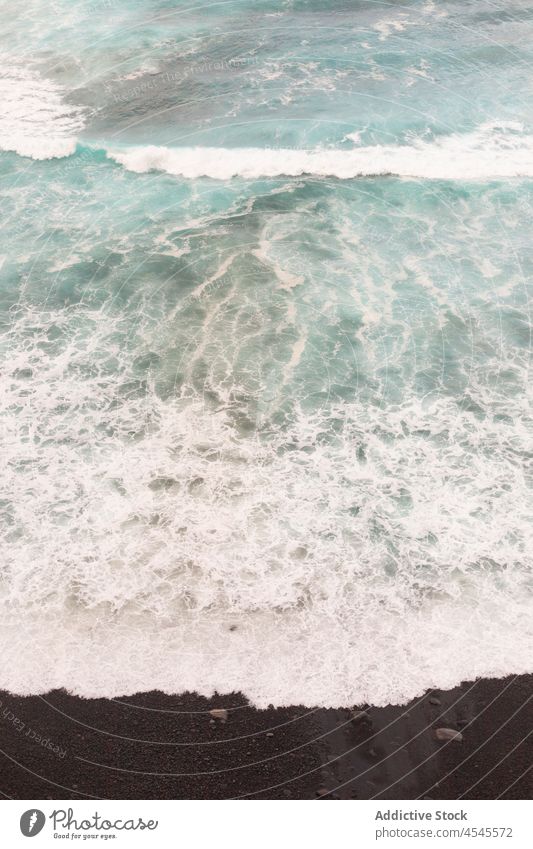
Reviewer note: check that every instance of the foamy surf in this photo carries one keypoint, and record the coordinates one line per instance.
(264, 435)
(35, 121)
(152, 545)
(492, 151)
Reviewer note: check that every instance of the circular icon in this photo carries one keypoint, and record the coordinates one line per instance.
(32, 822)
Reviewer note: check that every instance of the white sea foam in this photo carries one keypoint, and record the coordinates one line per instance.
(149, 544)
(493, 150)
(35, 121)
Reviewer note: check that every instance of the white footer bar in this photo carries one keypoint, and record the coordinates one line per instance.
(267, 824)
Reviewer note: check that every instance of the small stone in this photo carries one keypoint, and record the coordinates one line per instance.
(323, 791)
(435, 701)
(448, 734)
(462, 722)
(219, 713)
(373, 753)
(359, 716)
(212, 722)
(270, 734)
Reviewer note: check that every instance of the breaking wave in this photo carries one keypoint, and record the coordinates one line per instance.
(358, 553)
(491, 151)
(35, 121)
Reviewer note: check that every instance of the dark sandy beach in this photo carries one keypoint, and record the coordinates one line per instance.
(157, 746)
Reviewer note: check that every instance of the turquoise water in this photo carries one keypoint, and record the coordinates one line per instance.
(264, 315)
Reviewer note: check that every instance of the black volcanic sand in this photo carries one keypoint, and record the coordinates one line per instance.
(156, 746)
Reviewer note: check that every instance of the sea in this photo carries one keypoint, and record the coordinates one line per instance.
(265, 333)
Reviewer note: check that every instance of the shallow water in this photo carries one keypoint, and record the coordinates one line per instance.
(264, 312)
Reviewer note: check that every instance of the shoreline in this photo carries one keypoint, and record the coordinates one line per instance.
(156, 746)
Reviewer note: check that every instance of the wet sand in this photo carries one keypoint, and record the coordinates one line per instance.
(156, 746)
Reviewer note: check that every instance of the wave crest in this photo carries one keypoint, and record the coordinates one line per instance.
(493, 150)
(35, 120)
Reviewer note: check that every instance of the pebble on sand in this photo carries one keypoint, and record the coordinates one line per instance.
(219, 713)
(359, 715)
(435, 701)
(448, 734)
